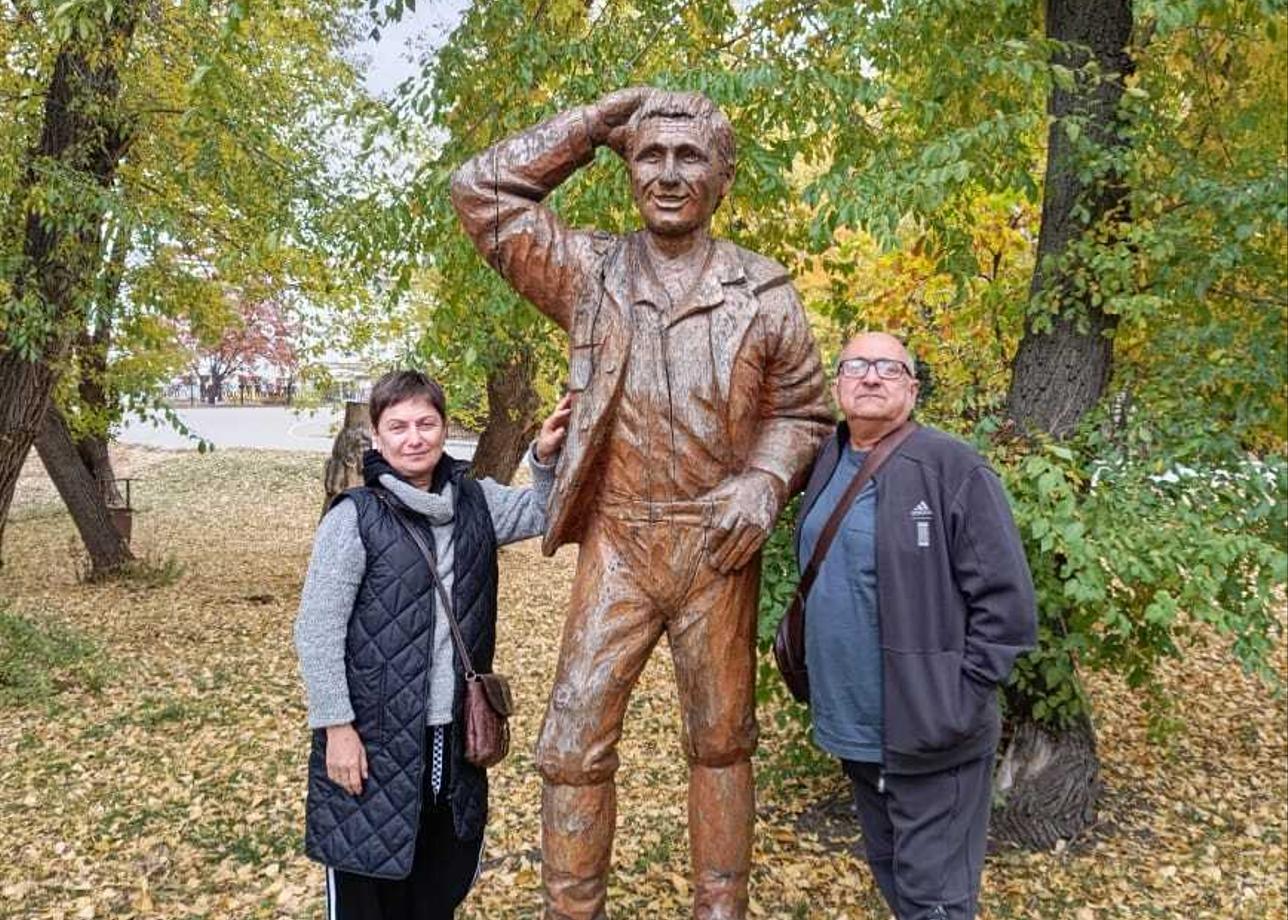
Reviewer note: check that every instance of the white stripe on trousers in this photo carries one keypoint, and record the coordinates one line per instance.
(478, 870)
(436, 759)
(332, 909)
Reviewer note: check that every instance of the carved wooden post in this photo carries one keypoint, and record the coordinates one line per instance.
(344, 466)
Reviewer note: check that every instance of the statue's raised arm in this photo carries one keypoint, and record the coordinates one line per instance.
(499, 193)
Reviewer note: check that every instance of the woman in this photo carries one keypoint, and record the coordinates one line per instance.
(394, 811)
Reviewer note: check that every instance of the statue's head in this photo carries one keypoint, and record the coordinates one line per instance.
(680, 154)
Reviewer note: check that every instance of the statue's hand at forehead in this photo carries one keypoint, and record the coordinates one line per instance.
(608, 117)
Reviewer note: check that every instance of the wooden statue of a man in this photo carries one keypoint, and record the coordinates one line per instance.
(699, 403)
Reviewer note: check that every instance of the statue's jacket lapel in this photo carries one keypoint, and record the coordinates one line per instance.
(599, 343)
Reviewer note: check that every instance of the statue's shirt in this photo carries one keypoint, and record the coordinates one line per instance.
(669, 437)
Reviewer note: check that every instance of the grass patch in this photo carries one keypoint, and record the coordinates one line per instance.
(252, 845)
(39, 660)
(152, 571)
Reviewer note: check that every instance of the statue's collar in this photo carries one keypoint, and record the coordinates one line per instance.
(723, 267)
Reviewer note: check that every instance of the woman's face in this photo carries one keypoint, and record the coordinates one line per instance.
(410, 436)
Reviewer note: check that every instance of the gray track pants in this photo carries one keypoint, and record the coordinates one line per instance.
(925, 836)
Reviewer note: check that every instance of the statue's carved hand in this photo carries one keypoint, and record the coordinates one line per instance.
(745, 508)
(608, 116)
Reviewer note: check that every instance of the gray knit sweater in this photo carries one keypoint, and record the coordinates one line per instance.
(339, 561)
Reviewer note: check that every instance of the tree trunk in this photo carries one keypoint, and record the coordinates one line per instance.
(1050, 783)
(108, 549)
(512, 406)
(1052, 778)
(26, 385)
(62, 251)
(93, 452)
(344, 466)
(1059, 374)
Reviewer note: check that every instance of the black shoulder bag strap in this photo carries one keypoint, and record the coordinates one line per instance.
(789, 641)
(871, 463)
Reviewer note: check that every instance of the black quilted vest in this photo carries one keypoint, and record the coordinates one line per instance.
(387, 662)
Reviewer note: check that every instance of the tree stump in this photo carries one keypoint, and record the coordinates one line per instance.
(1049, 783)
(344, 466)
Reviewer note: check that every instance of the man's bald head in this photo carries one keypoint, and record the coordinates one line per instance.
(874, 405)
(868, 344)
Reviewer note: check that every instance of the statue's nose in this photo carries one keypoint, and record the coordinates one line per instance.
(670, 172)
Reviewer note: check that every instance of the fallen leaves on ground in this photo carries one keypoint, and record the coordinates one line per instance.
(177, 789)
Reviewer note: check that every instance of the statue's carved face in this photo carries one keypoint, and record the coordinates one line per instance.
(676, 177)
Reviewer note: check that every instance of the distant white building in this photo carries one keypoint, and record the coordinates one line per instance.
(352, 377)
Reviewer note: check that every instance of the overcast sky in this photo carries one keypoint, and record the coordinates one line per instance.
(395, 57)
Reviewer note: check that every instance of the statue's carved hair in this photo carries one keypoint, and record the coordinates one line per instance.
(668, 104)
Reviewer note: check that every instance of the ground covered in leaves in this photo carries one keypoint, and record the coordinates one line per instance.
(152, 743)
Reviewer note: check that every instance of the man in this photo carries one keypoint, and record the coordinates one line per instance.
(918, 612)
(698, 405)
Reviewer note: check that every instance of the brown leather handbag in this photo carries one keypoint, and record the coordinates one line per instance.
(488, 701)
(789, 640)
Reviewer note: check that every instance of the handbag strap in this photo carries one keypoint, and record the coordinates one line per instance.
(446, 601)
(871, 463)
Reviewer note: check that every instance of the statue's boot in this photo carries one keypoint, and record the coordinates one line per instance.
(576, 846)
(722, 806)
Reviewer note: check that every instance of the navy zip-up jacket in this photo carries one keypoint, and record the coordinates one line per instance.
(954, 595)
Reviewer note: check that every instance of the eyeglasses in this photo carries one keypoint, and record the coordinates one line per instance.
(887, 368)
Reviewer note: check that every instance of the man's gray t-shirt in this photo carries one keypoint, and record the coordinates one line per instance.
(842, 632)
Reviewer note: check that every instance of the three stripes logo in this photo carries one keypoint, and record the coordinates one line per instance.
(921, 516)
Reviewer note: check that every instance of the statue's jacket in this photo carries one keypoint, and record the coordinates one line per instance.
(767, 374)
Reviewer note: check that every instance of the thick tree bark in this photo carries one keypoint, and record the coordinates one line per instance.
(344, 466)
(93, 452)
(512, 406)
(1051, 778)
(61, 253)
(26, 386)
(1061, 373)
(108, 550)
(1050, 782)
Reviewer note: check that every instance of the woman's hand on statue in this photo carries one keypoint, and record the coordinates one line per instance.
(553, 431)
(346, 758)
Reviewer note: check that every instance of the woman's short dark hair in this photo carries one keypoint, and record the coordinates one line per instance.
(400, 386)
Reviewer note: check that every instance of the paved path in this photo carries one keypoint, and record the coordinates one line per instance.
(269, 427)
